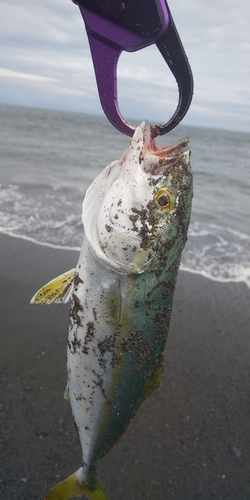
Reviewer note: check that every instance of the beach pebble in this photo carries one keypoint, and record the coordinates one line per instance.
(236, 451)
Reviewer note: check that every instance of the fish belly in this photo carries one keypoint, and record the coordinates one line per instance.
(94, 318)
(114, 347)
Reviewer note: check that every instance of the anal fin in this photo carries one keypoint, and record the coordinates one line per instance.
(156, 378)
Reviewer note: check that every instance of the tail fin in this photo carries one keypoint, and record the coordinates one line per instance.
(70, 488)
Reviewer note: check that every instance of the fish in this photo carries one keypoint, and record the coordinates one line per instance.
(135, 216)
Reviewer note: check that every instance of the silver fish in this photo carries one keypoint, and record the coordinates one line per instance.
(135, 216)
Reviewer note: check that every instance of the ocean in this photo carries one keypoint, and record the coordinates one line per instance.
(49, 158)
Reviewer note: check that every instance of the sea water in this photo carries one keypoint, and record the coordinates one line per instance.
(49, 158)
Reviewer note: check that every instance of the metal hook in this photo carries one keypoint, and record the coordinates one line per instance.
(107, 40)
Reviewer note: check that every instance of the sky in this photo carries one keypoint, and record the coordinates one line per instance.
(45, 62)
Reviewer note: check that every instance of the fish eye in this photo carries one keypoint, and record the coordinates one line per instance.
(164, 199)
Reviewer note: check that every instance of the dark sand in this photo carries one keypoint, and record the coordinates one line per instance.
(190, 440)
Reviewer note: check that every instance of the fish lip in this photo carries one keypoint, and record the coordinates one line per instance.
(174, 149)
(157, 160)
(150, 158)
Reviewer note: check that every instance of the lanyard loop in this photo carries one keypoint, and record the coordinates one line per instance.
(118, 25)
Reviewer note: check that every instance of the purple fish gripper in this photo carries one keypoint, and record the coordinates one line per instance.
(107, 40)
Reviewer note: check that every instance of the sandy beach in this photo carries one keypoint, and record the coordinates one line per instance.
(190, 440)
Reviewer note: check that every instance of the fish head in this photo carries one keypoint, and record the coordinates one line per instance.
(136, 212)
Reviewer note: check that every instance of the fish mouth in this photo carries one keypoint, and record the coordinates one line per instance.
(157, 160)
(152, 159)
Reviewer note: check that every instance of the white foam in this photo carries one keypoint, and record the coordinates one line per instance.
(41, 243)
(213, 251)
(218, 253)
(239, 275)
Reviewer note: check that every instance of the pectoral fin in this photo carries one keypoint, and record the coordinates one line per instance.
(57, 291)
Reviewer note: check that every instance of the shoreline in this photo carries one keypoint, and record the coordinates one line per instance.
(189, 440)
(77, 250)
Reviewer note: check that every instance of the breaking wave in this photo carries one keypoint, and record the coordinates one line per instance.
(218, 253)
(53, 218)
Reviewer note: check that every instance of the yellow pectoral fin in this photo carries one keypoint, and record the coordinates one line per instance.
(69, 488)
(57, 291)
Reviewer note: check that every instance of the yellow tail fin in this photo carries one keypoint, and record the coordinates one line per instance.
(69, 488)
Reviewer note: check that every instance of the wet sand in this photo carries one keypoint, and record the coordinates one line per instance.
(190, 440)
